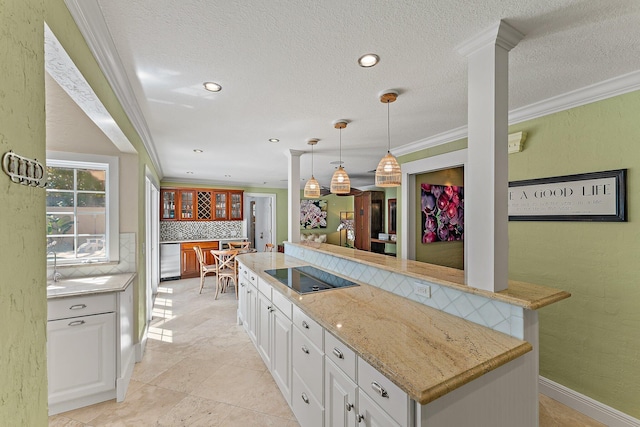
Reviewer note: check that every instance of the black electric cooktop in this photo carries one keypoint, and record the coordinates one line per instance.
(309, 279)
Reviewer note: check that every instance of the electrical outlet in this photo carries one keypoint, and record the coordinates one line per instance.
(421, 289)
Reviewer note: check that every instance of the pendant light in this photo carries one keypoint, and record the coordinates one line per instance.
(388, 172)
(312, 188)
(340, 183)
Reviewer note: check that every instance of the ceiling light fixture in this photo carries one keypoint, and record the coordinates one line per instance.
(274, 140)
(189, 172)
(340, 183)
(197, 150)
(212, 86)
(312, 187)
(388, 173)
(368, 60)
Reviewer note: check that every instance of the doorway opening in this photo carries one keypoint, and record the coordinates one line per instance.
(260, 214)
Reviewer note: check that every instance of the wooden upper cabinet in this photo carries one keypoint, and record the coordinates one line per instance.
(169, 204)
(188, 204)
(235, 205)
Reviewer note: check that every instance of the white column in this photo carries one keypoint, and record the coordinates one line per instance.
(293, 196)
(486, 175)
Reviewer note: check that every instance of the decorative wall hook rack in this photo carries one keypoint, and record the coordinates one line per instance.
(24, 171)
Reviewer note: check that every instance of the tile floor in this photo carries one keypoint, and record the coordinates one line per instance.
(201, 369)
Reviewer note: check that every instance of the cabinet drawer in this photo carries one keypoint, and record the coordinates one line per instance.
(283, 304)
(243, 271)
(308, 362)
(386, 394)
(310, 328)
(306, 408)
(253, 277)
(265, 288)
(63, 308)
(340, 354)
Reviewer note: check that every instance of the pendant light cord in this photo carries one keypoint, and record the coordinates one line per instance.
(388, 131)
(312, 161)
(340, 147)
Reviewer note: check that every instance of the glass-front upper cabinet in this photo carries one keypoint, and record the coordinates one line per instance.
(187, 204)
(235, 208)
(169, 204)
(220, 205)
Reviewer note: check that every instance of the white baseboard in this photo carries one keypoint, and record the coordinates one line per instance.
(586, 405)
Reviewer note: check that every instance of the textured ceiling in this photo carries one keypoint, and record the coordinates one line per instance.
(288, 70)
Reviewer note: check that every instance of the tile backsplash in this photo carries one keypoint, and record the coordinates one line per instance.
(195, 230)
(488, 312)
(127, 263)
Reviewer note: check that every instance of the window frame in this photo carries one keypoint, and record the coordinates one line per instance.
(112, 233)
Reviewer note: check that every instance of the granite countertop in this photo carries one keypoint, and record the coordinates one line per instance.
(203, 239)
(526, 295)
(424, 351)
(89, 285)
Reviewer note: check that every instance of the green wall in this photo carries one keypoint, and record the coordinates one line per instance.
(590, 342)
(23, 302)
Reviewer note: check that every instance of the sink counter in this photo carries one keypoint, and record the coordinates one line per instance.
(89, 285)
(424, 351)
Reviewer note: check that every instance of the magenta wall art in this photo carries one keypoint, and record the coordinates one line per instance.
(442, 213)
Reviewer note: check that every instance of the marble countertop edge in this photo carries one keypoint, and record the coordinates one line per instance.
(77, 286)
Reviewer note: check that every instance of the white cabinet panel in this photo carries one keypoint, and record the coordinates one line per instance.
(309, 327)
(281, 369)
(305, 407)
(263, 332)
(340, 354)
(81, 356)
(252, 312)
(386, 394)
(308, 363)
(371, 415)
(339, 398)
(64, 308)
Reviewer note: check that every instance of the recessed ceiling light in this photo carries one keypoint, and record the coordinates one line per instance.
(336, 162)
(197, 150)
(368, 60)
(274, 140)
(227, 176)
(190, 173)
(212, 86)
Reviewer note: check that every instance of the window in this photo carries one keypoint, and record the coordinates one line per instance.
(80, 209)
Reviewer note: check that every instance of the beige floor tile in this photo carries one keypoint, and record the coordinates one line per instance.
(88, 413)
(143, 408)
(194, 411)
(554, 413)
(186, 375)
(153, 364)
(62, 421)
(263, 395)
(241, 417)
(227, 385)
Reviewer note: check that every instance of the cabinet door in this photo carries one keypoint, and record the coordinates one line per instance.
(168, 205)
(252, 307)
(220, 205)
(281, 330)
(264, 328)
(235, 205)
(339, 397)
(204, 205)
(206, 252)
(189, 264)
(371, 414)
(188, 202)
(242, 301)
(81, 357)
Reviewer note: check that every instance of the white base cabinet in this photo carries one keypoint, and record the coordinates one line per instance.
(339, 397)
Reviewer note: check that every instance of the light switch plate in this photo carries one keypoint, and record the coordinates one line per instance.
(422, 289)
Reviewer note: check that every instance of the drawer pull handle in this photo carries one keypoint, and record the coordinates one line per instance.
(305, 399)
(248, 291)
(360, 418)
(76, 323)
(305, 349)
(271, 310)
(242, 284)
(349, 406)
(253, 278)
(338, 353)
(305, 325)
(379, 389)
(78, 307)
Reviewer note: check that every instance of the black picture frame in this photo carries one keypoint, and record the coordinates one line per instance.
(576, 197)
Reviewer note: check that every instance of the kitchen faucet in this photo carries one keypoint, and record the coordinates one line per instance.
(56, 274)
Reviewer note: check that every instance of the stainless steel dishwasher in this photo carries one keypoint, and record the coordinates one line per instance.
(169, 261)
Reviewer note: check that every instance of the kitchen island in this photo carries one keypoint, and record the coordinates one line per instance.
(454, 371)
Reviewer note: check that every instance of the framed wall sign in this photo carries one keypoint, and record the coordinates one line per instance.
(595, 196)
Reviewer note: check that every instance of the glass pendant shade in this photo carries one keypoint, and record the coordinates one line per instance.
(388, 172)
(312, 188)
(340, 183)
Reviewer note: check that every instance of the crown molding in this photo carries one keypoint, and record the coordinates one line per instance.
(88, 17)
(597, 92)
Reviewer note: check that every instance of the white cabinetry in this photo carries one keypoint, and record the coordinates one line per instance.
(281, 333)
(81, 351)
(263, 334)
(339, 397)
